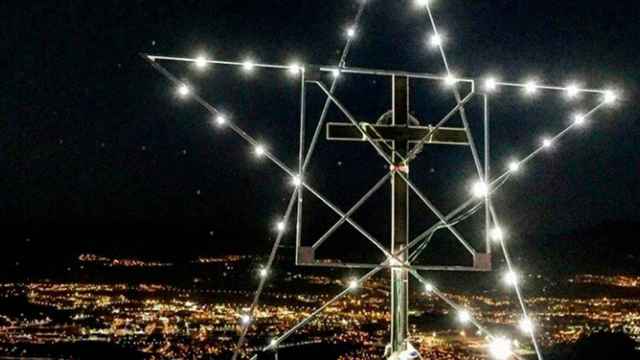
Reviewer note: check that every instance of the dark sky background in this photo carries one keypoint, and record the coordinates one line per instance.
(98, 155)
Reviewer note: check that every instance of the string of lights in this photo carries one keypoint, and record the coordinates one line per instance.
(499, 347)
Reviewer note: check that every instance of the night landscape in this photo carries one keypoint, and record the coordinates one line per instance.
(231, 180)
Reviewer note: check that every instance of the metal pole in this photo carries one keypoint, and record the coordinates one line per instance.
(399, 221)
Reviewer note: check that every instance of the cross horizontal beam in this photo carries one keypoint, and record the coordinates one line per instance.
(412, 134)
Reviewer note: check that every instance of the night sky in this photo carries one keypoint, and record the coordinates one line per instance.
(98, 154)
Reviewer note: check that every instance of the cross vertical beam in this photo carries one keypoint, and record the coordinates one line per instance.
(400, 219)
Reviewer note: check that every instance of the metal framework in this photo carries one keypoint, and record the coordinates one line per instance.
(398, 144)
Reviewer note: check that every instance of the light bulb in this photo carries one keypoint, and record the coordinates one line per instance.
(525, 325)
(201, 62)
(220, 120)
(578, 119)
(421, 3)
(490, 84)
(464, 316)
(428, 287)
(245, 319)
(294, 69)
(351, 32)
(500, 348)
(572, 91)
(530, 87)
(296, 180)
(450, 80)
(353, 284)
(546, 143)
(183, 90)
(435, 40)
(514, 166)
(335, 73)
(496, 234)
(479, 189)
(248, 65)
(263, 273)
(610, 97)
(511, 278)
(259, 150)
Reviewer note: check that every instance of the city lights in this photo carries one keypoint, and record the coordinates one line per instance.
(525, 325)
(245, 319)
(428, 287)
(353, 284)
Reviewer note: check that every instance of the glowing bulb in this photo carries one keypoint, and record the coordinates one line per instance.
(490, 84)
(280, 226)
(259, 150)
(572, 91)
(514, 166)
(201, 62)
(294, 69)
(500, 348)
(525, 325)
(450, 80)
(479, 189)
(353, 284)
(435, 40)
(273, 343)
(464, 316)
(248, 65)
(335, 73)
(546, 143)
(610, 97)
(263, 273)
(421, 3)
(220, 120)
(245, 319)
(496, 234)
(510, 278)
(530, 87)
(183, 90)
(578, 119)
(296, 180)
(351, 32)
(428, 287)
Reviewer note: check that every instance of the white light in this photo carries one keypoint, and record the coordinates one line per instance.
(428, 287)
(510, 278)
(263, 273)
(183, 90)
(273, 342)
(464, 316)
(294, 69)
(351, 32)
(259, 150)
(201, 62)
(500, 348)
(435, 40)
(525, 325)
(280, 226)
(514, 166)
(578, 119)
(296, 180)
(248, 65)
(572, 91)
(546, 143)
(496, 234)
(450, 80)
(220, 120)
(610, 96)
(353, 284)
(335, 73)
(530, 87)
(490, 84)
(245, 319)
(421, 3)
(479, 189)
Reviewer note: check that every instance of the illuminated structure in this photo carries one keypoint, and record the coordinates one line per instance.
(397, 137)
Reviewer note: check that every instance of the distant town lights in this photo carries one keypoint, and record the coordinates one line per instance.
(500, 348)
